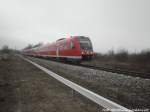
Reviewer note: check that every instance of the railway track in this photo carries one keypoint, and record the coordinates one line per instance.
(107, 104)
(119, 71)
(113, 70)
(117, 84)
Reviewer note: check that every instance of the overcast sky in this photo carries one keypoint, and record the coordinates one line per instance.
(111, 24)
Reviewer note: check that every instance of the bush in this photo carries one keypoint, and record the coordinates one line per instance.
(122, 55)
(5, 49)
(143, 57)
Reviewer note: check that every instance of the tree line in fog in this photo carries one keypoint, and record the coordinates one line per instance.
(124, 56)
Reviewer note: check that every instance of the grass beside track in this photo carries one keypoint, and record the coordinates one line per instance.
(24, 88)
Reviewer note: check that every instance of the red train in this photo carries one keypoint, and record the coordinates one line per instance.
(74, 48)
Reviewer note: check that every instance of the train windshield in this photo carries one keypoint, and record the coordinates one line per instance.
(85, 43)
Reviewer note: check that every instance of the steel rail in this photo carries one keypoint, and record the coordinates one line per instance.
(118, 70)
(107, 104)
(113, 70)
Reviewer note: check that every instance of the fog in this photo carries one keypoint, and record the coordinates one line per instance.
(110, 24)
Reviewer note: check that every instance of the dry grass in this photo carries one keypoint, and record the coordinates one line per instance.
(122, 59)
(24, 88)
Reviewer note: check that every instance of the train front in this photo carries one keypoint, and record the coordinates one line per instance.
(85, 47)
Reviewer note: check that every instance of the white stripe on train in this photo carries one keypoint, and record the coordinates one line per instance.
(72, 57)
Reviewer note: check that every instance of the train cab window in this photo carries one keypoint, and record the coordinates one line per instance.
(85, 43)
(72, 46)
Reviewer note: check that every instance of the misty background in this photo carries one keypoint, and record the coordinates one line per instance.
(110, 24)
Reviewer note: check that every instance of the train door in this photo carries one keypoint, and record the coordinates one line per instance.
(57, 52)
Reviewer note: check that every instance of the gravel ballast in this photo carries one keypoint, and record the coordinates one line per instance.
(131, 92)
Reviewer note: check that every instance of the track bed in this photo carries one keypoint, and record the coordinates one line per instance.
(131, 92)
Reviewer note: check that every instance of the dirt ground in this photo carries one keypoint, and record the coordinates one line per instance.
(24, 88)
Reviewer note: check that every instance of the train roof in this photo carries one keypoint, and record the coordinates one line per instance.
(60, 39)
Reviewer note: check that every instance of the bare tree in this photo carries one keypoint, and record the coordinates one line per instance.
(29, 46)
